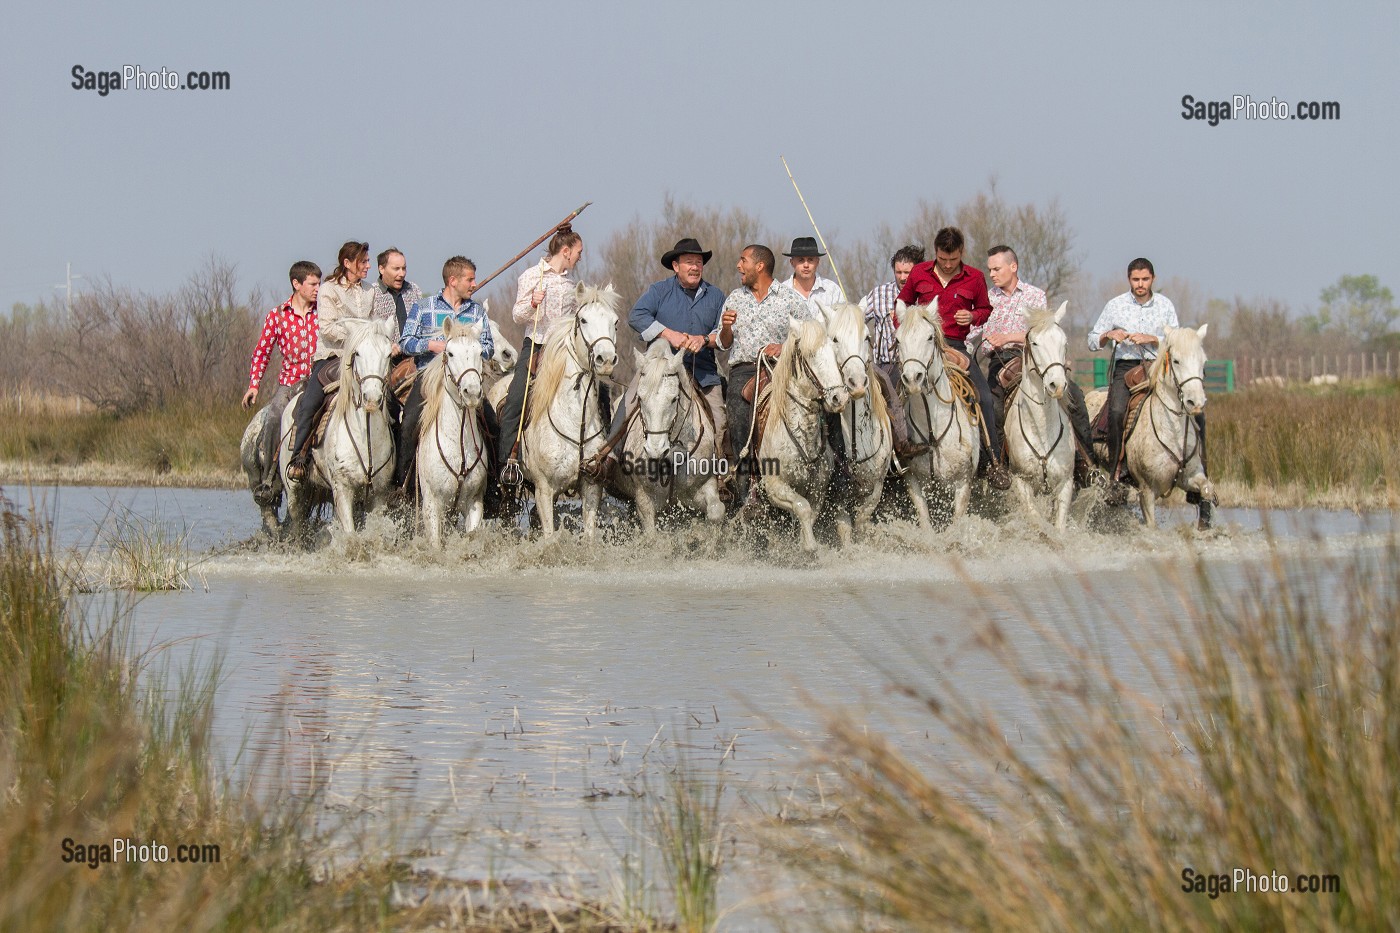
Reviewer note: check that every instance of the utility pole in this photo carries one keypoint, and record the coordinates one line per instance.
(67, 287)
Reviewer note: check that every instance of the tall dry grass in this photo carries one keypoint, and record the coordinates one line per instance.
(1256, 731)
(1323, 439)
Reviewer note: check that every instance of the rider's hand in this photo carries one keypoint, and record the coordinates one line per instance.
(676, 339)
(695, 343)
(437, 345)
(250, 397)
(773, 349)
(536, 297)
(1118, 335)
(1146, 340)
(729, 317)
(963, 317)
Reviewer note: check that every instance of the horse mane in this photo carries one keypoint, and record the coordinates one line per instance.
(431, 379)
(1170, 345)
(552, 364)
(914, 313)
(356, 333)
(807, 339)
(545, 385)
(1038, 319)
(849, 318)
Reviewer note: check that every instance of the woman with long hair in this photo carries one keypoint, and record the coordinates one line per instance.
(344, 295)
(543, 296)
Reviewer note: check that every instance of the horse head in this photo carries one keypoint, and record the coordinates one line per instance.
(1182, 366)
(659, 394)
(461, 359)
(810, 348)
(506, 356)
(920, 343)
(595, 327)
(1045, 349)
(364, 368)
(845, 326)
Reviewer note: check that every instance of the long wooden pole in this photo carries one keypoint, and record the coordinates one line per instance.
(521, 255)
(820, 239)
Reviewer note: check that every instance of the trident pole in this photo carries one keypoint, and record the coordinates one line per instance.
(521, 255)
(820, 239)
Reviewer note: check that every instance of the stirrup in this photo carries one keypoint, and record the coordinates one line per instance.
(296, 470)
(512, 474)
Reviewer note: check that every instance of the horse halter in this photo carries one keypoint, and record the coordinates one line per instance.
(588, 345)
(456, 381)
(1167, 364)
(360, 381)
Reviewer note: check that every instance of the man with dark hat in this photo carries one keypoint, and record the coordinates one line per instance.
(806, 259)
(682, 310)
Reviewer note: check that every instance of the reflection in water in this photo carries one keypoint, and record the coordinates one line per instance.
(523, 690)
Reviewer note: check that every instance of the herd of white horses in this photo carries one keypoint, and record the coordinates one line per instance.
(824, 367)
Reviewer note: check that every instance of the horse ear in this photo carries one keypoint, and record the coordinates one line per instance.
(1167, 331)
(638, 361)
(448, 326)
(677, 362)
(1201, 331)
(1060, 311)
(389, 328)
(486, 306)
(473, 332)
(933, 307)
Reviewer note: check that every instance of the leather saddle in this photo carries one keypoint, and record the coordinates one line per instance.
(402, 377)
(1136, 381)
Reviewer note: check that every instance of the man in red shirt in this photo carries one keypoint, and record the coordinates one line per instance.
(291, 328)
(962, 302)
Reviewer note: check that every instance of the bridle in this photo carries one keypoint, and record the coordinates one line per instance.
(1187, 452)
(453, 386)
(932, 387)
(366, 459)
(1028, 365)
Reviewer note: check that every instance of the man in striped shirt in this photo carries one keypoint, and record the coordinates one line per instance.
(879, 320)
(291, 328)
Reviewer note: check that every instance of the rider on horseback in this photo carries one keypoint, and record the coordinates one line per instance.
(1136, 321)
(1003, 336)
(962, 297)
(422, 339)
(344, 296)
(291, 328)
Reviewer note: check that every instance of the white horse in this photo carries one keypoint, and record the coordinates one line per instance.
(806, 385)
(355, 459)
(250, 455)
(1039, 439)
(501, 364)
(566, 426)
(1164, 451)
(936, 415)
(670, 450)
(866, 435)
(452, 463)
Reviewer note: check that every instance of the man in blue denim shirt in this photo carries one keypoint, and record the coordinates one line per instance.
(422, 339)
(681, 310)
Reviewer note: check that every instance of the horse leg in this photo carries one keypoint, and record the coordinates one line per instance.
(785, 497)
(474, 512)
(1024, 493)
(1147, 498)
(432, 514)
(544, 505)
(1062, 501)
(866, 510)
(592, 496)
(646, 511)
(915, 484)
(343, 500)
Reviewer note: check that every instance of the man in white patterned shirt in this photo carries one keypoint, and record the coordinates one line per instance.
(1135, 321)
(806, 259)
(754, 321)
(1004, 336)
(879, 321)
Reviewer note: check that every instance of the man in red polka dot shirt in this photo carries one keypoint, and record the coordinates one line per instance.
(291, 328)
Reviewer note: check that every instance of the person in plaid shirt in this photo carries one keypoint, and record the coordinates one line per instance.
(291, 328)
(879, 320)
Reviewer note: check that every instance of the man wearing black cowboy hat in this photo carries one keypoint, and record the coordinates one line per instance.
(806, 258)
(682, 310)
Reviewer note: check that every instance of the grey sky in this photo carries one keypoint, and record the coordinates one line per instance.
(446, 128)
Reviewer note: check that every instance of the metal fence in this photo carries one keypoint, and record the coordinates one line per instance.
(1227, 375)
(1094, 373)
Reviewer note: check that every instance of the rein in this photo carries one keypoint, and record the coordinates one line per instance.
(468, 416)
(1028, 366)
(366, 459)
(1186, 433)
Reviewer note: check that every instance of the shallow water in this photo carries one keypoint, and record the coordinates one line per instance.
(525, 692)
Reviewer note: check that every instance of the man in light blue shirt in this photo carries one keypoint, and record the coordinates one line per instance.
(422, 339)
